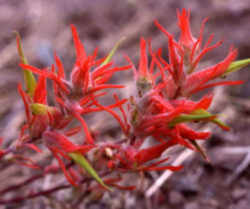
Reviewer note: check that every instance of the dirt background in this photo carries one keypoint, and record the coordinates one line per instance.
(44, 26)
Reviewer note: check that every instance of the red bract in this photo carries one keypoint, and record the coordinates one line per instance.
(40, 95)
(148, 154)
(60, 146)
(197, 81)
(39, 115)
(113, 182)
(134, 160)
(187, 40)
(59, 141)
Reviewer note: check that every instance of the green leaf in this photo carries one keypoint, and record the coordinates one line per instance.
(29, 78)
(190, 117)
(214, 120)
(111, 54)
(199, 114)
(235, 66)
(80, 160)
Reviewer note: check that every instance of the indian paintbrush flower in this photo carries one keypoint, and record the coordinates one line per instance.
(153, 119)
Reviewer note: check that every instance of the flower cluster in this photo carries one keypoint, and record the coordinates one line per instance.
(160, 110)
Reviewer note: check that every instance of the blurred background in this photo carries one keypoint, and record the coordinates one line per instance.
(44, 26)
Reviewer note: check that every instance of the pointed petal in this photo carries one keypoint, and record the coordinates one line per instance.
(195, 80)
(221, 83)
(80, 51)
(66, 173)
(25, 101)
(188, 133)
(153, 152)
(60, 67)
(186, 37)
(143, 66)
(40, 95)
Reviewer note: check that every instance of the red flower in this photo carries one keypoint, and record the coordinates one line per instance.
(93, 81)
(144, 78)
(186, 40)
(184, 57)
(160, 110)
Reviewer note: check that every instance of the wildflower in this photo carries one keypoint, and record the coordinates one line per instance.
(83, 78)
(185, 56)
(88, 77)
(160, 110)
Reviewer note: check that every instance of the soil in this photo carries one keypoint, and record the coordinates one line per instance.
(44, 25)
